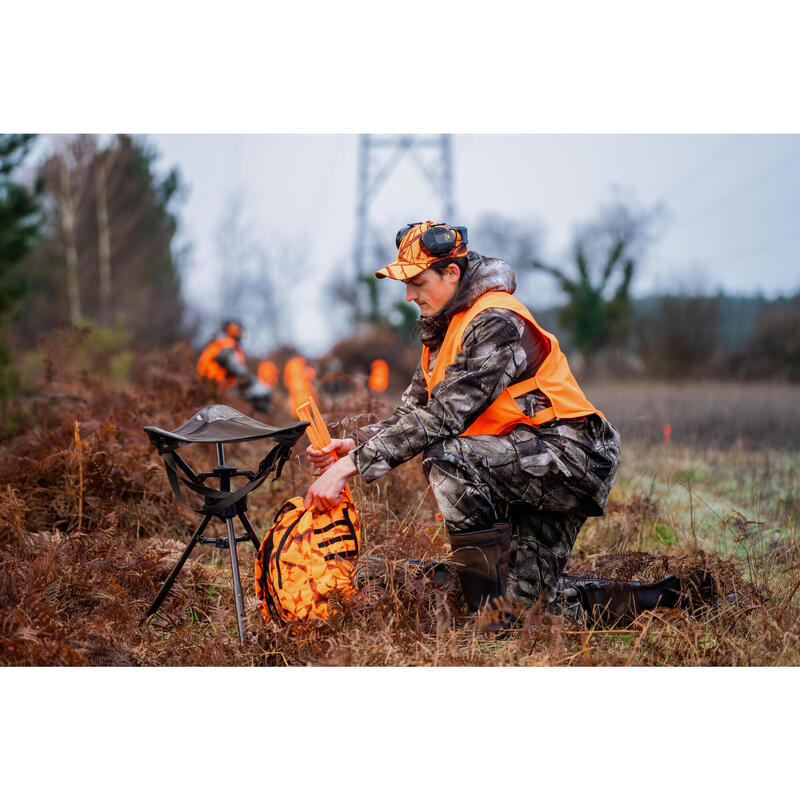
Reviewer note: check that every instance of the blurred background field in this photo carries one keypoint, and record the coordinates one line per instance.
(725, 415)
(691, 350)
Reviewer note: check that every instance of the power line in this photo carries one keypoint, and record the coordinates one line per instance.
(706, 210)
(764, 246)
(690, 178)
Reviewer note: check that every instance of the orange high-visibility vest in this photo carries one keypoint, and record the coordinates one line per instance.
(209, 368)
(554, 377)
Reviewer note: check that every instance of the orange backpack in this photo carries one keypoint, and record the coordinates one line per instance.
(306, 555)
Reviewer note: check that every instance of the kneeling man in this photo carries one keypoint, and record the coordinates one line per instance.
(515, 454)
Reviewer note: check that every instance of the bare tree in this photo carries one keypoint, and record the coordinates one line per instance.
(250, 278)
(67, 205)
(102, 164)
(368, 300)
(514, 240)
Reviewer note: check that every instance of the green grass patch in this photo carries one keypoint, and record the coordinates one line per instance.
(664, 533)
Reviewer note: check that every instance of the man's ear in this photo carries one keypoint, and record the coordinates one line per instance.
(453, 272)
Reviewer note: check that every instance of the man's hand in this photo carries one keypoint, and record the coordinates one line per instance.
(326, 491)
(320, 460)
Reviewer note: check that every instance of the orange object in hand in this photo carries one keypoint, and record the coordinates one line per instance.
(379, 377)
(318, 431)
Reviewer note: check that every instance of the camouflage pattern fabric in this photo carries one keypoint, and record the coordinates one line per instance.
(539, 553)
(492, 357)
(547, 481)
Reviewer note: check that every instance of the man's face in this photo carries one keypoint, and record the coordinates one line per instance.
(431, 291)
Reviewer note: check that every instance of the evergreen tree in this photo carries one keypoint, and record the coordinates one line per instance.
(19, 230)
(19, 220)
(606, 252)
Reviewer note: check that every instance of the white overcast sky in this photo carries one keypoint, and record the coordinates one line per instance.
(731, 200)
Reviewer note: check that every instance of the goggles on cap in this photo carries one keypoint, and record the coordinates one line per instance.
(438, 240)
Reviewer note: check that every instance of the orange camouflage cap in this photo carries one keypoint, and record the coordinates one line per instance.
(421, 244)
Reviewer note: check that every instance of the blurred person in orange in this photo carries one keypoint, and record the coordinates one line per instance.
(379, 375)
(268, 374)
(298, 376)
(223, 361)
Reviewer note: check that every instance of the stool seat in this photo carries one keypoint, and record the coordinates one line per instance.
(219, 423)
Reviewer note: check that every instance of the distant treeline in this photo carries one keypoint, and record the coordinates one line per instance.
(671, 336)
(696, 336)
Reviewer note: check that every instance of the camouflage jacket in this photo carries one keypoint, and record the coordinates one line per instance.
(498, 349)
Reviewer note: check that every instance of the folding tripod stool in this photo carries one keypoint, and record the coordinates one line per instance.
(219, 425)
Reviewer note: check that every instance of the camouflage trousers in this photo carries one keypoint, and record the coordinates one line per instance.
(546, 481)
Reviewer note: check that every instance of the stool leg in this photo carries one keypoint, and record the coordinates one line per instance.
(250, 531)
(237, 583)
(177, 568)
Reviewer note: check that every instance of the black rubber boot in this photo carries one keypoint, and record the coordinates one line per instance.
(481, 562)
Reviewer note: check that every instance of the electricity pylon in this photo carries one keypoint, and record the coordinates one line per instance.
(374, 170)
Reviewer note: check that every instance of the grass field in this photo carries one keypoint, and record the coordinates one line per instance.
(89, 529)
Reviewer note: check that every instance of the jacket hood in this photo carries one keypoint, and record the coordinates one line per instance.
(480, 276)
